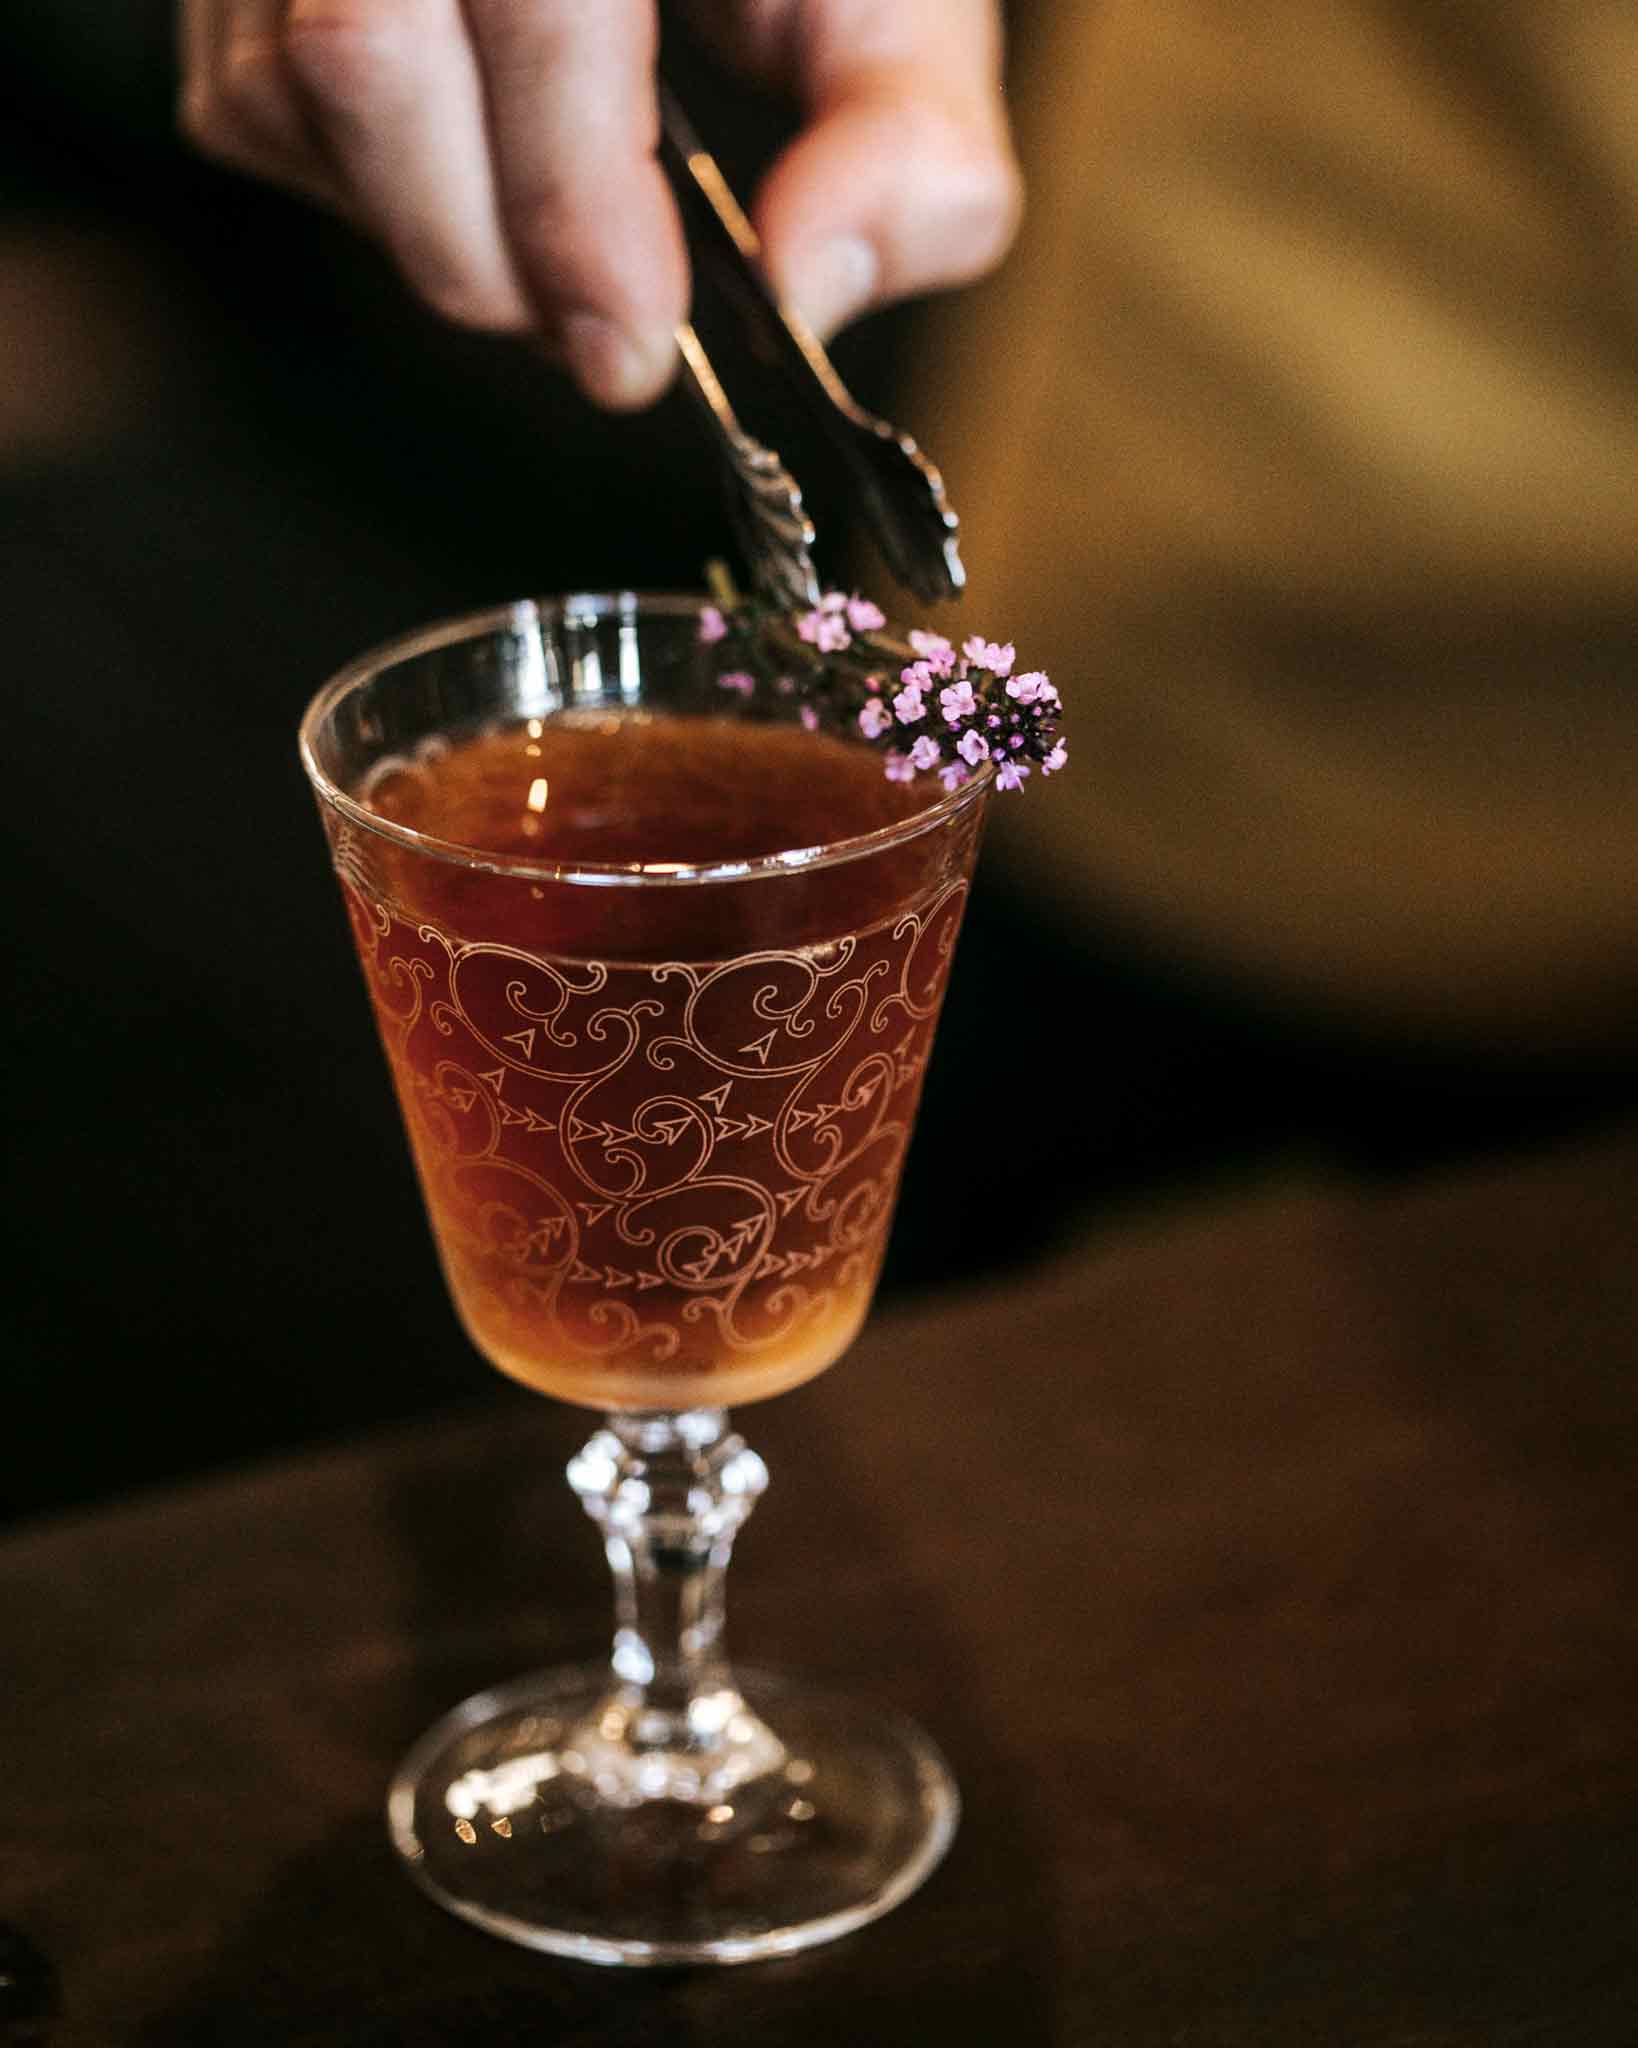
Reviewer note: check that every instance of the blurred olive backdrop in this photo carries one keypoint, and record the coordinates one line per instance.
(232, 454)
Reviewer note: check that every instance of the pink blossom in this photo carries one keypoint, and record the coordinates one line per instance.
(953, 776)
(957, 702)
(924, 754)
(1055, 760)
(833, 601)
(737, 679)
(863, 616)
(899, 768)
(918, 675)
(989, 654)
(713, 626)
(1010, 775)
(825, 629)
(809, 718)
(1029, 688)
(935, 650)
(874, 719)
(908, 705)
(973, 748)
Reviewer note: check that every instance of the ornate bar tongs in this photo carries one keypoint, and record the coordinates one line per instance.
(902, 493)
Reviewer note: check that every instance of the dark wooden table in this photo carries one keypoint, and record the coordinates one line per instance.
(1269, 1572)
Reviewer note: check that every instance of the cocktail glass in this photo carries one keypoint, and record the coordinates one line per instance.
(658, 1112)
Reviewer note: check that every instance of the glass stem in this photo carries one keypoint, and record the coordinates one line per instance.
(669, 1492)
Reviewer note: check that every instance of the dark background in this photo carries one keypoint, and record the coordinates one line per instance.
(233, 453)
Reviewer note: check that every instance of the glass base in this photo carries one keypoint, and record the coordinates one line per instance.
(498, 1813)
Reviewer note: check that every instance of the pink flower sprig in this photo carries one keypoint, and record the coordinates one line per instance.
(948, 713)
(834, 620)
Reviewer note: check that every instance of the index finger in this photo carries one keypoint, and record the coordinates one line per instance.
(590, 222)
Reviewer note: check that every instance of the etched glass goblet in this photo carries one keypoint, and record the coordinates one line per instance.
(656, 969)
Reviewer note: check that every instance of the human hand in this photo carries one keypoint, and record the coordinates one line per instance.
(503, 150)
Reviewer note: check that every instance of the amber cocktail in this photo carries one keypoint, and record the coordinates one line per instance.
(657, 971)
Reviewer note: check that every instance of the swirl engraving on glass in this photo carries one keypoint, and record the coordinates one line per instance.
(640, 1172)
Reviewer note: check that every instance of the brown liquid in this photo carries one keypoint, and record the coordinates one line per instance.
(658, 1128)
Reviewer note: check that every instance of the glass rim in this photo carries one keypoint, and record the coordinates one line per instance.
(588, 606)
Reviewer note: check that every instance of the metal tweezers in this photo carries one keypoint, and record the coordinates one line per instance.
(901, 492)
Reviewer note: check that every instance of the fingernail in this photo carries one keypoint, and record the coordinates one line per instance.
(835, 281)
(614, 367)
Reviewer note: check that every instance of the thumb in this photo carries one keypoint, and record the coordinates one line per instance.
(904, 181)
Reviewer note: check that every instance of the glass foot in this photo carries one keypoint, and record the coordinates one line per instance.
(508, 1814)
